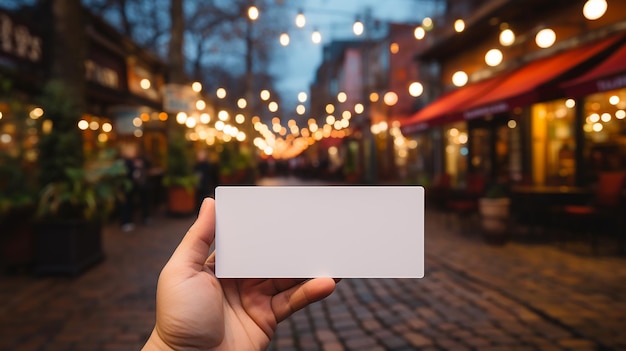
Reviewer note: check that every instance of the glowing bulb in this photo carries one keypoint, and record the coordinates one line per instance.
(507, 37)
(419, 33)
(493, 57)
(459, 25)
(242, 103)
(300, 20)
(316, 37)
(196, 87)
(545, 38)
(342, 97)
(253, 13)
(594, 9)
(265, 94)
(284, 39)
(358, 28)
(416, 89)
(221, 93)
(390, 98)
(145, 84)
(302, 96)
(459, 78)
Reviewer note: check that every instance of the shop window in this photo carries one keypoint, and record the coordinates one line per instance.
(553, 143)
(456, 151)
(605, 133)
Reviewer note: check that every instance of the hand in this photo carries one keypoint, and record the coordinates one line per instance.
(197, 311)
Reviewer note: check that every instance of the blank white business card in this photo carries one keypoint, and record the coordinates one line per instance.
(325, 231)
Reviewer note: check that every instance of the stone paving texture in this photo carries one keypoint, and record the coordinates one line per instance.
(474, 297)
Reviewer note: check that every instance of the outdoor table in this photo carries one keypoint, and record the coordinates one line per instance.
(537, 202)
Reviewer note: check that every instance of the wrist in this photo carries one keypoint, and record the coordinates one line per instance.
(155, 343)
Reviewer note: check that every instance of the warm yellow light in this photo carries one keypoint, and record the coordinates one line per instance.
(205, 118)
(620, 114)
(427, 23)
(265, 94)
(181, 117)
(138, 133)
(358, 28)
(219, 125)
(346, 115)
(359, 108)
(223, 115)
(196, 87)
(493, 57)
(419, 33)
(570, 103)
(242, 103)
(390, 98)
(605, 117)
(300, 109)
(459, 78)
(83, 125)
(200, 105)
(239, 118)
(597, 127)
(394, 48)
(191, 122)
(221, 93)
(330, 108)
(35, 113)
(145, 84)
(594, 117)
(545, 38)
(137, 122)
(107, 127)
(103, 138)
(253, 13)
(512, 124)
(342, 97)
(316, 37)
(302, 97)
(507, 37)
(614, 100)
(374, 97)
(162, 116)
(300, 20)
(594, 9)
(273, 106)
(459, 25)
(330, 119)
(284, 39)
(145, 117)
(241, 136)
(416, 89)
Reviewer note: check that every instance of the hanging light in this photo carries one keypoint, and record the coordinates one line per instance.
(594, 9)
(493, 57)
(459, 25)
(358, 28)
(459, 78)
(390, 98)
(419, 33)
(253, 13)
(416, 89)
(302, 97)
(265, 94)
(196, 87)
(507, 37)
(284, 39)
(221, 93)
(316, 37)
(300, 20)
(545, 38)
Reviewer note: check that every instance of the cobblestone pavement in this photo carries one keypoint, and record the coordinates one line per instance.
(474, 297)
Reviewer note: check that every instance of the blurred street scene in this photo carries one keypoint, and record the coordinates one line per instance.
(117, 117)
(521, 296)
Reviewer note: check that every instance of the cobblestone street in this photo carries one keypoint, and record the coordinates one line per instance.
(474, 297)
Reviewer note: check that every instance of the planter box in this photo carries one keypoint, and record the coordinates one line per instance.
(67, 247)
(180, 202)
(494, 216)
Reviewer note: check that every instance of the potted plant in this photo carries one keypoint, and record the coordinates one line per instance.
(494, 208)
(17, 204)
(76, 197)
(179, 178)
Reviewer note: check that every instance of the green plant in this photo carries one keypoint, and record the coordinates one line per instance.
(16, 192)
(496, 191)
(88, 193)
(179, 171)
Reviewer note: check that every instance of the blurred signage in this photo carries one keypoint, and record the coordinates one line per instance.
(102, 75)
(18, 41)
(178, 98)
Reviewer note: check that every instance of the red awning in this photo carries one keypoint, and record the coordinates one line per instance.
(610, 74)
(447, 107)
(522, 87)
